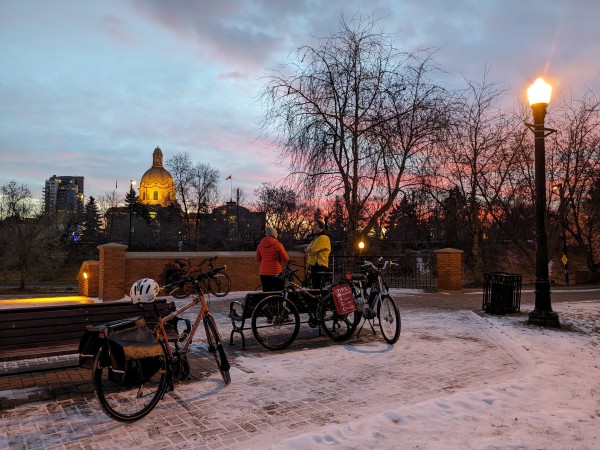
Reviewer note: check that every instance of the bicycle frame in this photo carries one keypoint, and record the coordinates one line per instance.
(195, 271)
(161, 331)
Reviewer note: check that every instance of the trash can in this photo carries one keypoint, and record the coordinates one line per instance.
(501, 293)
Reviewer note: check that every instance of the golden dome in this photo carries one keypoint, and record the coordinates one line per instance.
(157, 186)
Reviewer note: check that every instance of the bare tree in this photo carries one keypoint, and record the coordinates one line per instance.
(204, 190)
(576, 163)
(476, 158)
(29, 240)
(180, 166)
(353, 116)
(284, 210)
(15, 200)
(196, 185)
(107, 202)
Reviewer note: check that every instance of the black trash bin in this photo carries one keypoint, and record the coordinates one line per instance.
(501, 293)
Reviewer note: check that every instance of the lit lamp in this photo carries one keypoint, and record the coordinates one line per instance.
(131, 198)
(539, 97)
(361, 246)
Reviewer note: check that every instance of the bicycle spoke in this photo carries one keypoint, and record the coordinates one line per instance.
(275, 322)
(389, 319)
(127, 403)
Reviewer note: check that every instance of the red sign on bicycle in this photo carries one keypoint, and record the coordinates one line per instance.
(344, 299)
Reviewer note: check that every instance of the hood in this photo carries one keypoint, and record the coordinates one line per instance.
(268, 241)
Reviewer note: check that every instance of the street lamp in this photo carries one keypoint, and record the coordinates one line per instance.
(562, 217)
(131, 198)
(539, 97)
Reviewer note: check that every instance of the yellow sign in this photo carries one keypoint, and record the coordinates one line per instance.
(564, 260)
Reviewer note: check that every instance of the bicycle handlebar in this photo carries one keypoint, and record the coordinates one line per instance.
(381, 265)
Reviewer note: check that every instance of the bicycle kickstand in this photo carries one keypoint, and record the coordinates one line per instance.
(371, 321)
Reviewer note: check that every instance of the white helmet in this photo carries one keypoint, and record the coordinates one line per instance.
(144, 291)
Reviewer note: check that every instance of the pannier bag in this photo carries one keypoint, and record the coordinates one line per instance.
(135, 354)
(89, 345)
(343, 298)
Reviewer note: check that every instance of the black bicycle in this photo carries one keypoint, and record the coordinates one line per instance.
(276, 319)
(214, 280)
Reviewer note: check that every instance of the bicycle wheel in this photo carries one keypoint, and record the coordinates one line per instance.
(183, 288)
(389, 319)
(215, 346)
(275, 322)
(337, 326)
(127, 404)
(219, 284)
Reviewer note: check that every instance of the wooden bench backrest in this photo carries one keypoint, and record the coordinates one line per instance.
(53, 326)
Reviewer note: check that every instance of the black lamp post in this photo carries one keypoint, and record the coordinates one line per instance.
(131, 198)
(563, 220)
(539, 97)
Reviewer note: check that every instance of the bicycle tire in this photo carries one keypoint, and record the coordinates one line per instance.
(220, 284)
(215, 346)
(128, 404)
(182, 289)
(337, 327)
(275, 322)
(389, 319)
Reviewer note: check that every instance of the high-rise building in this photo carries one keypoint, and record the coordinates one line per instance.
(62, 193)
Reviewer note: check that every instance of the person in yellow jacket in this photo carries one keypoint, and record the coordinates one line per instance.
(317, 253)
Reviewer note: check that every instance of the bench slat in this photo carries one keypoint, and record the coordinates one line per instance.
(55, 330)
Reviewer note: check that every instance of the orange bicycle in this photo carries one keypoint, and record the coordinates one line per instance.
(135, 366)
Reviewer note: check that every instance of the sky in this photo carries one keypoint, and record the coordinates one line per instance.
(91, 88)
(454, 380)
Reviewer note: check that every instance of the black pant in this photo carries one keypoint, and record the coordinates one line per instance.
(317, 277)
(271, 283)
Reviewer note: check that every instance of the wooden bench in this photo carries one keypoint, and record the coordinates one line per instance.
(246, 309)
(57, 330)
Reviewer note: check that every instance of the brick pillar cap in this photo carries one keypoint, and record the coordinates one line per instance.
(112, 245)
(448, 250)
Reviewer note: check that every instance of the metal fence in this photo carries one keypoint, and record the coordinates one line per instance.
(415, 270)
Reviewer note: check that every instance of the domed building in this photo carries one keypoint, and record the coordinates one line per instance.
(157, 186)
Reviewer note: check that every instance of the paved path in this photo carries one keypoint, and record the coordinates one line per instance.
(43, 408)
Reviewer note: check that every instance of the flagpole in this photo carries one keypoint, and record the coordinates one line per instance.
(230, 178)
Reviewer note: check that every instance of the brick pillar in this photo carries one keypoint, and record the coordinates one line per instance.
(111, 273)
(449, 269)
(88, 279)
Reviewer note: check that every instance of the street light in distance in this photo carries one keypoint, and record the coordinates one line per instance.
(539, 97)
(131, 197)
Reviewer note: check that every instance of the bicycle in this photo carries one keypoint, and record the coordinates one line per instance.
(216, 280)
(380, 305)
(128, 402)
(276, 319)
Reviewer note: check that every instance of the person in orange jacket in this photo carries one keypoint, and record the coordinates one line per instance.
(272, 257)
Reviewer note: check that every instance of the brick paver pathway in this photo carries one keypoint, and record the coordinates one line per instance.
(270, 396)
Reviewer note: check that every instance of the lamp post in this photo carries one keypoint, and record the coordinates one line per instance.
(539, 97)
(562, 217)
(131, 198)
(361, 246)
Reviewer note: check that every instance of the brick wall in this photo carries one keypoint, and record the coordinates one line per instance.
(118, 269)
(449, 269)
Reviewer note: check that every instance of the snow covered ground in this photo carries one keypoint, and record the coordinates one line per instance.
(553, 402)
(455, 379)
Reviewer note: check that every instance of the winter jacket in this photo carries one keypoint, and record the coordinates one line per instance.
(271, 255)
(318, 251)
